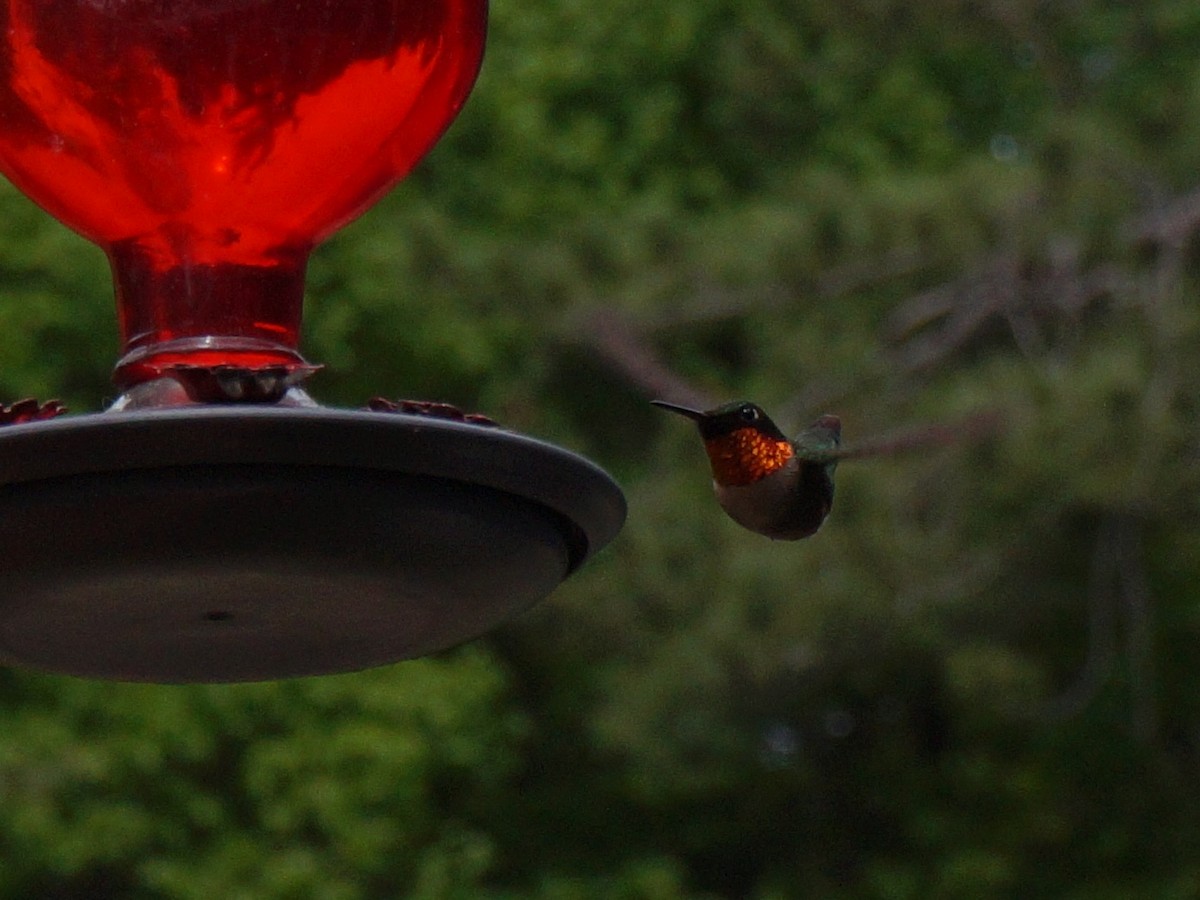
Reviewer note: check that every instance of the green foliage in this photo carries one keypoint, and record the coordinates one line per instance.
(333, 787)
(978, 680)
(58, 333)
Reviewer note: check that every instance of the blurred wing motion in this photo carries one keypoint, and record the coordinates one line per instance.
(967, 430)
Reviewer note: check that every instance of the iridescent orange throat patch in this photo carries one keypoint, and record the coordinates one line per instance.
(745, 456)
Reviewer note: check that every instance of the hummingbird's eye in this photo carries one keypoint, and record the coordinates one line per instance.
(749, 412)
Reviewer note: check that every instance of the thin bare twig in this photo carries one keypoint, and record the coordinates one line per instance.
(1170, 223)
(1117, 579)
(1101, 631)
(631, 355)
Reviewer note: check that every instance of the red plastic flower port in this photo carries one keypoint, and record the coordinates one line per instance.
(430, 408)
(29, 410)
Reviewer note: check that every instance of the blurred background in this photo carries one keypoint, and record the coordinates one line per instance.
(979, 680)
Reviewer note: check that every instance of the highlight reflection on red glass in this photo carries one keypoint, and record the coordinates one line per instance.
(207, 145)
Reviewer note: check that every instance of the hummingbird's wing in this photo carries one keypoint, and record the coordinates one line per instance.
(969, 429)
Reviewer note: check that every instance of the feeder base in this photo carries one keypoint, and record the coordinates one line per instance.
(234, 543)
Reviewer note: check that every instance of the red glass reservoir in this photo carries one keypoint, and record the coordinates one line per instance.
(207, 145)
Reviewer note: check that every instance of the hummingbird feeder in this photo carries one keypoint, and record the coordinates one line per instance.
(215, 523)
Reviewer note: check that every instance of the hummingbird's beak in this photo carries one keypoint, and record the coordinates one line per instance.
(694, 414)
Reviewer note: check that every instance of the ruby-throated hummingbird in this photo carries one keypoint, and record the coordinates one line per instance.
(783, 487)
(778, 486)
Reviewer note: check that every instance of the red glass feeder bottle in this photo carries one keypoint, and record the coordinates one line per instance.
(208, 146)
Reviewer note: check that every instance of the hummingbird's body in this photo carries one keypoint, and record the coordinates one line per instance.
(766, 482)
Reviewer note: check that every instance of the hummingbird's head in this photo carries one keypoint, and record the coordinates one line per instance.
(743, 444)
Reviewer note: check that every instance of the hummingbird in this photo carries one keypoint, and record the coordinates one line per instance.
(783, 487)
(771, 484)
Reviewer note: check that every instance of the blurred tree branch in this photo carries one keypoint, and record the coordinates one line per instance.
(627, 352)
(1117, 581)
(1025, 292)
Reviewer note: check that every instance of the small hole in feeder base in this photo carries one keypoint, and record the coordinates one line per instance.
(218, 615)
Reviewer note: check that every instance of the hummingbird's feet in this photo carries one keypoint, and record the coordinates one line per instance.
(430, 408)
(30, 410)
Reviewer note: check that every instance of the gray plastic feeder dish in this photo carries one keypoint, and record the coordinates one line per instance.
(244, 543)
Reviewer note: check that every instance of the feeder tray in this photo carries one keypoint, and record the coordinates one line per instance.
(242, 543)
